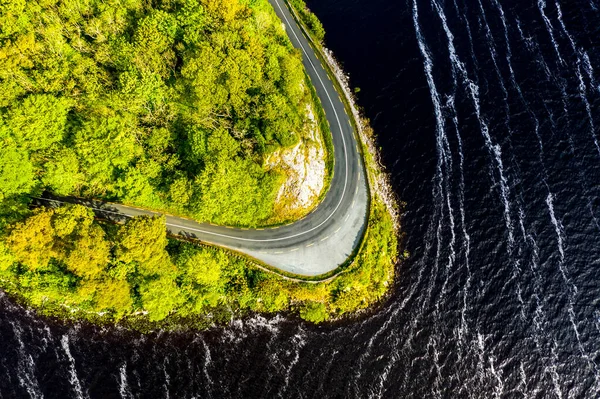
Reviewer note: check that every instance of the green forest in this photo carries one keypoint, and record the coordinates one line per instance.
(172, 105)
(65, 263)
(169, 104)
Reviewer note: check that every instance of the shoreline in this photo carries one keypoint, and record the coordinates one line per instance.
(331, 295)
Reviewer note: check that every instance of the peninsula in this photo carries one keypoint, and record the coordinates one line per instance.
(194, 100)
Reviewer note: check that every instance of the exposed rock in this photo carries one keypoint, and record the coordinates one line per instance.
(304, 168)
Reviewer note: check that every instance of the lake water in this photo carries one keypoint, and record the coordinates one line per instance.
(488, 115)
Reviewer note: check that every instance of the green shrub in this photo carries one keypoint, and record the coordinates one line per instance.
(315, 312)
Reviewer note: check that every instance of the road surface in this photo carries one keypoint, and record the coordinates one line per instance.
(324, 239)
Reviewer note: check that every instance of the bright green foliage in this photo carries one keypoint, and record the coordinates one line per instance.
(39, 121)
(160, 297)
(7, 259)
(309, 19)
(168, 104)
(67, 235)
(315, 312)
(171, 104)
(78, 243)
(32, 241)
(16, 170)
(112, 294)
(202, 267)
(62, 257)
(62, 172)
(142, 241)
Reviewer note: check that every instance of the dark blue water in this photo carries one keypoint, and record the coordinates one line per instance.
(488, 113)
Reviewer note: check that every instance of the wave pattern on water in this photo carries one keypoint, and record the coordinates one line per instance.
(488, 113)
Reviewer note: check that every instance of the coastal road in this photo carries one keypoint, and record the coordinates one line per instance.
(321, 241)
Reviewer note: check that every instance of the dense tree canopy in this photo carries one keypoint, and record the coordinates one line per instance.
(62, 258)
(171, 104)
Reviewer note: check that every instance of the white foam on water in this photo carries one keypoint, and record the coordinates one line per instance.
(324, 372)
(589, 69)
(572, 288)
(532, 47)
(73, 378)
(499, 388)
(167, 378)
(583, 180)
(469, 34)
(558, 228)
(516, 262)
(458, 68)
(205, 368)
(564, 28)
(480, 348)
(542, 6)
(124, 390)
(440, 128)
(522, 387)
(493, 53)
(438, 383)
(494, 149)
(383, 376)
(582, 85)
(552, 369)
(442, 194)
(466, 239)
(541, 152)
(298, 341)
(390, 318)
(446, 169)
(26, 366)
(486, 368)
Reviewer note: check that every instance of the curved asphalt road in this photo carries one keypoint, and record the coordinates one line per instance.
(325, 238)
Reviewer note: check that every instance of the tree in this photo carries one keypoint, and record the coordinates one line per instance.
(66, 234)
(201, 265)
(32, 241)
(181, 191)
(88, 254)
(61, 172)
(225, 10)
(7, 259)
(16, 171)
(272, 296)
(160, 297)
(113, 294)
(315, 312)
(39, 121)
(143, 240)
(105, 143)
